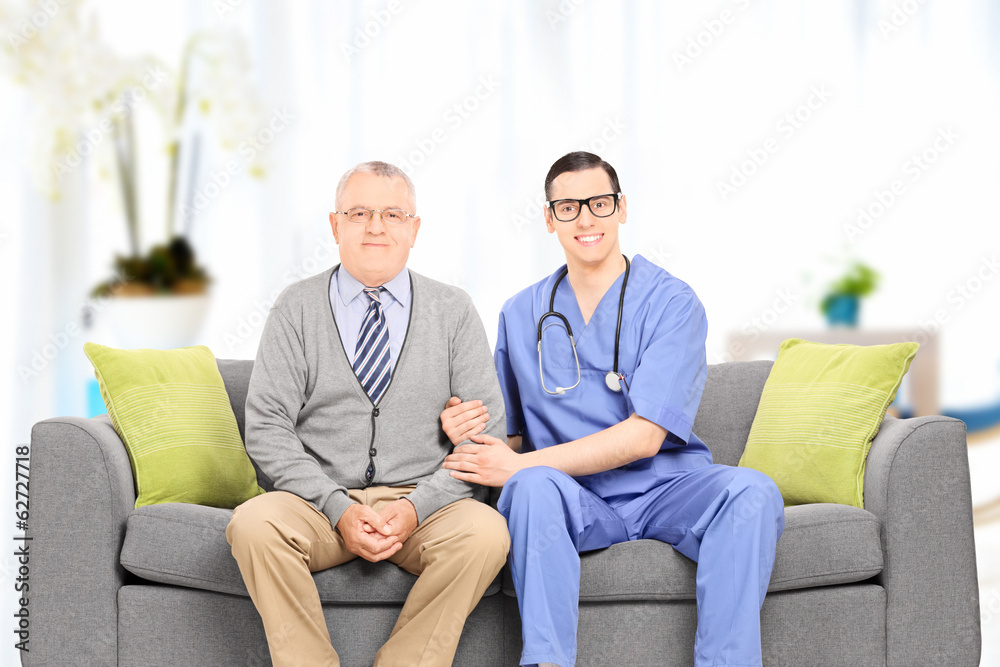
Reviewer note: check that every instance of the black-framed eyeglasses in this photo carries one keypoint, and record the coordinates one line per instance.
(390, 216)
(601, 206)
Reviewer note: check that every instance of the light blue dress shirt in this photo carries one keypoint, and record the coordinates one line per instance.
(350, 303)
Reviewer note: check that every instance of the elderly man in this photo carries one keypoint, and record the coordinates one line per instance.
(342, 415)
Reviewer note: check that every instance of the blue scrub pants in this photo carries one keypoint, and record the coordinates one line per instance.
(727, 519)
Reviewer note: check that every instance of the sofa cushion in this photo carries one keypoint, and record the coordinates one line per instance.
(819, 411)
(171, 410)
(185, 545)
(823, 544)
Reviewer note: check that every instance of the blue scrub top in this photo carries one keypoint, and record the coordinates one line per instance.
(661, 354)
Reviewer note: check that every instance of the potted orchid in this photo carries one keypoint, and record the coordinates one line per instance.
(172, 267)
(90, 102)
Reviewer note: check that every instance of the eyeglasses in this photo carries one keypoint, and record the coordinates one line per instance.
(601, 206)
(390, 216)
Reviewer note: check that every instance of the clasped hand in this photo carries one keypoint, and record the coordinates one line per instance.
(378, 535)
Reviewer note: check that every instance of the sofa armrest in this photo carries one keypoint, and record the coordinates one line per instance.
(917, 484)
(81, 492)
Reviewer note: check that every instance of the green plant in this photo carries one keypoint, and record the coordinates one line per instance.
(860, 280)
(168, 269)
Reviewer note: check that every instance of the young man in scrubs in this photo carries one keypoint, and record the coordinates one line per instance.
(613, 458)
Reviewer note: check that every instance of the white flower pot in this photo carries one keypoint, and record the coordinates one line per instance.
(157, 322)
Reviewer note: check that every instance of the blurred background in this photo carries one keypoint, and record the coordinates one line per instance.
(822, 170)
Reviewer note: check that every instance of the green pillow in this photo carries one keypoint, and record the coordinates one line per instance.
(171, 409)
(820, 409)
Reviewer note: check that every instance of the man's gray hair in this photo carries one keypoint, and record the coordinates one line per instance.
(379, 169)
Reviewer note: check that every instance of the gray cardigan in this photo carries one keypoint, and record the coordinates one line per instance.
(312, 428)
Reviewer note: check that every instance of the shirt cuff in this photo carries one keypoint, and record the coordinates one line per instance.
(336, 505)
(426, 501)
(515, 425)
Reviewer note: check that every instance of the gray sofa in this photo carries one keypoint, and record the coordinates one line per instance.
(892, 584)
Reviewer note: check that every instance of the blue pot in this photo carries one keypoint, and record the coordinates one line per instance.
(843, 311)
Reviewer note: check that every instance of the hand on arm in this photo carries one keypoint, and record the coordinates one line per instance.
(460, 421)
(472, 374)
(488, 464)
(486, 460)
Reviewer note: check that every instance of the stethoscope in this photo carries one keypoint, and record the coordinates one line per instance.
(612, 378)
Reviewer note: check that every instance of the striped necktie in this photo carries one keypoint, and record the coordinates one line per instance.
(371, 356)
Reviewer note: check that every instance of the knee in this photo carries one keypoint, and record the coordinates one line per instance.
(531, 484)
(537, 476)
(754, 482)
(756, 494)
(488, 535)
(482, 538)
(253, 523)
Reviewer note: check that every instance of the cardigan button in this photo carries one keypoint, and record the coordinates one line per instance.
(374, 412)
(372, 452)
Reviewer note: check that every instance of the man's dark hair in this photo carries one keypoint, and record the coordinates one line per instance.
(579, 161)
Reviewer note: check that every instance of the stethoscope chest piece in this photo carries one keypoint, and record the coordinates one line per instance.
(611, 379)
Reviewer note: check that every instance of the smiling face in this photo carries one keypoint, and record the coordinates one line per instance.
(374, 252)
(589, 241)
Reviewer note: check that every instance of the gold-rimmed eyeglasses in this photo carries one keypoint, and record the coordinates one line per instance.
(390, 216)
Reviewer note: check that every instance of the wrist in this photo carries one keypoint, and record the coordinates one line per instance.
(528, 459)
(336, 506)
(412, 507)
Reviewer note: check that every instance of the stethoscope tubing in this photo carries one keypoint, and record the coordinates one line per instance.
(612, 376)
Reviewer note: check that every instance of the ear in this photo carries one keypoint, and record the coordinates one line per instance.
(333, 226)
(622, 210)
(548, 220)
(414, 229)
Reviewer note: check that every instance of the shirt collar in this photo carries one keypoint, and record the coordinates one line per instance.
(350, 287)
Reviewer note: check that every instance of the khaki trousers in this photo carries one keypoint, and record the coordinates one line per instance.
(278, 539)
